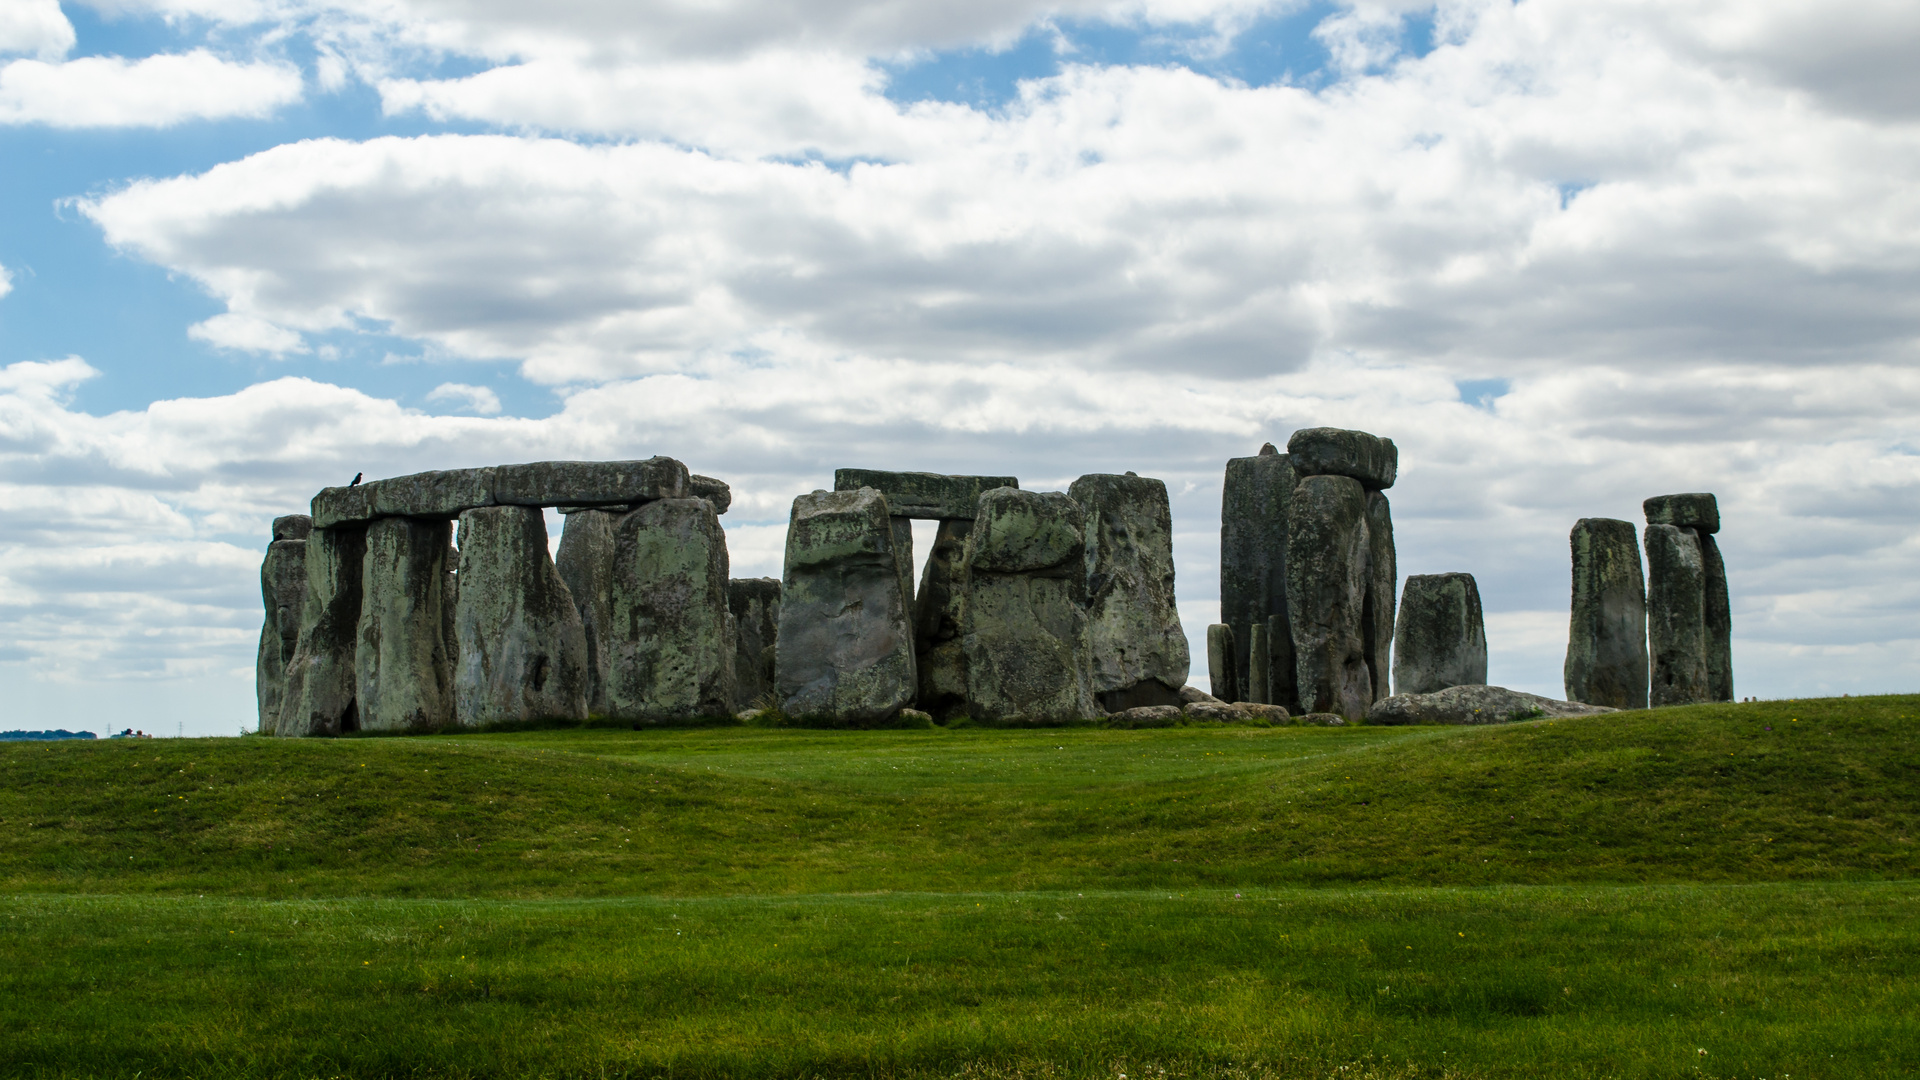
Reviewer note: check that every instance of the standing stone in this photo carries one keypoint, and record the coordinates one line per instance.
(401, 661)
(1441, 637)
(1719, 621)
(1383, 583)
(321, 696)
(585, 562)
(1025, 621)
(844, 651)
(1257, 689)
(1137, 647)
(283, 592)
(1222, 675)
(1327, 584)
(522, 654)
(1676, 616)
(1253, 571)
(938, 612)
(669, 657)
(755, 606)
(292, 527)
(1607, 637)
(903, 557)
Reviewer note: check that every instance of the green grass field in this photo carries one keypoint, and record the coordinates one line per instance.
(1725, 891)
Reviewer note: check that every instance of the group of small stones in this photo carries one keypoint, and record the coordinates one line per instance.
(1033, 607)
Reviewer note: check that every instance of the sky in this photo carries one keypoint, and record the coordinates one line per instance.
(1567, 254)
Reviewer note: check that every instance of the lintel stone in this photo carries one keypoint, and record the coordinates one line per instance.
(1325, 451)
(923, 494)
(448, 493)
(1693, 510)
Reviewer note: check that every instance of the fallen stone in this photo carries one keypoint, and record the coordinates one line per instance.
(1025, 621)
(1260, 712)
(402, 661)
(589, 483)
(1327, 586)
(1254, 511)
(923, 495)
(1137, 647)
(755, 605)
(1221, 673)
(1718, 611)
(1440, 639)
(1146, 716)
(292, 527)
(1191, 694)
(669, 656)
(1694, 510)
(1676, 617)
(1377, 620)
(585, 563)
(1323, 719)
(1474, 705)
(446, 493)
(322, 691)
(1216, 712)
(1370, 459)
(844, 650)
(714, 491)
(283, 593)
(1607, 632)
(937, 607)
(521, 652)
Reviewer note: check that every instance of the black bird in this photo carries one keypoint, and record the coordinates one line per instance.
(356, 479)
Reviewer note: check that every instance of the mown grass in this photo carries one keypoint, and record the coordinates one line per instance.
(1582, 898)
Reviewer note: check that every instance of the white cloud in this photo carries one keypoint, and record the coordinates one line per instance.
(479, 400)
(35, 26)
(157, 91)
(245, 333)
(6, 281)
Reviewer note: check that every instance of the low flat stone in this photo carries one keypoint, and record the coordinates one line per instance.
(1475, 705)
(1260, 711)
(714, 491)
(445, 493)
(1146, 716)
(1190, 695)
(1693, 510)
(292, 527)
(1324, 451)
(923, 494)
(1323, 719)
(1216, 712)
(589, 483)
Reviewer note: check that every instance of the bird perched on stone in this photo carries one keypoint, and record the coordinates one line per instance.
(356, 479)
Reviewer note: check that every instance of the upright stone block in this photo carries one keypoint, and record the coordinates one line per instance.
(402, 664)
(1253, 571)
(1258, 690)
(522, 653)
(844, 652)
(322, 687)
(1676, 616)
(283, 592)
(1328, 580)
(939, 608)
(1383, 583)
(1719, 620)
(923, 495)
(714, 491)
(1607, 636)
(1370, 459)
(585, 562)
(669, 654)
(755, 604)
(1025, 621)
(1222, 675)
(1441, 637)
(292, 527)
(1137, 647)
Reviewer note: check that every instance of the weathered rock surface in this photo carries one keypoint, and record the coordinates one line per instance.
(1718, 610)
(923, 495)
(1370, 459)
(1146, 716)
(938, 608)
(716, 492)
(521, 653)
(1676, 617)
(1257, 679)
(1328, 581)
(283, 593)
(1191, 694)
(1137, 647)
(444, 493)
(1323, 719)
(451, 492)
(1222, 675)
(1474, 705)
(350, 505)
(322, 691)
(585, 562)
(844, 650)
(1383, 585)
(1441, 637)
(1607, 636)
(1253, 569)
(669, 656)
(903, 558)
(755, 604)
(1024, 624)
(403, 661)
(1239, 712)
(292, 527)
(1693, 510)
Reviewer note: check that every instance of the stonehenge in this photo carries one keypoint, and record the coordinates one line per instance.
(754, 604)
(403, 661)
(1253, 575)
(1024, 619)
(1440, 640)
(669, 646)
(283, 592)
(521, 649)
(844, 648)
(1136, 645)
(1607, 635)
